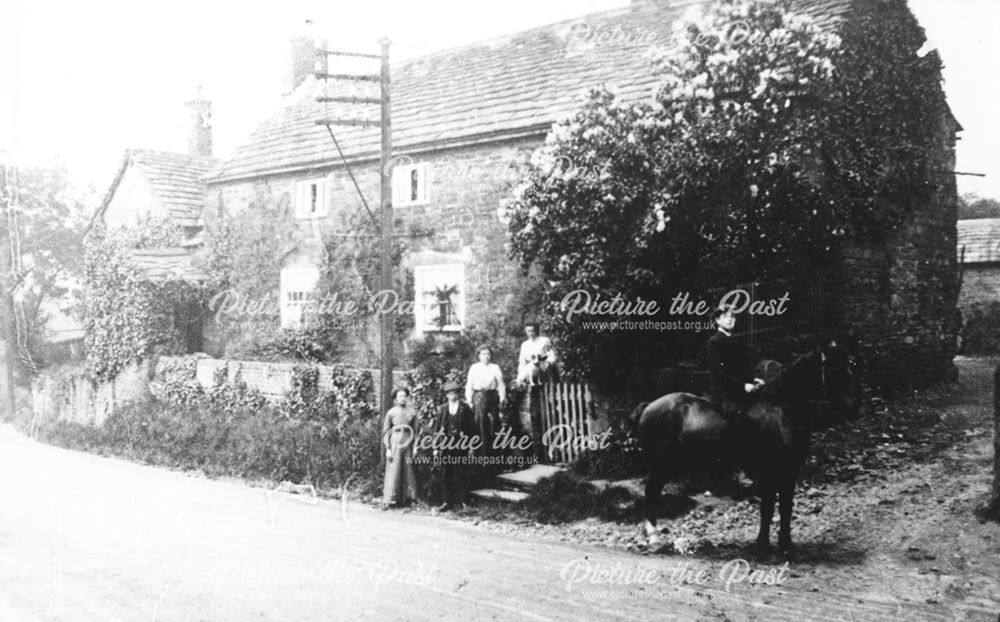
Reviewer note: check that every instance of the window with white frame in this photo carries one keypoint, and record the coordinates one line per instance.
(310, 198)
(440, 297)
(409, 185)
(298, 295)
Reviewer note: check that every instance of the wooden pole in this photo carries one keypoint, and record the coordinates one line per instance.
(992, 511)
(388, 327)
(6, 308)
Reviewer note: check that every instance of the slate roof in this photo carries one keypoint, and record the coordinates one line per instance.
(510, 86)
(170, 264)
(981, 239)
(176, 179)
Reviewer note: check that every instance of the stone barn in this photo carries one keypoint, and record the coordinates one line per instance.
(979, 297)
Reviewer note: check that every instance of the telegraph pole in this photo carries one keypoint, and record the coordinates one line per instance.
(384, 224)
(388, 328)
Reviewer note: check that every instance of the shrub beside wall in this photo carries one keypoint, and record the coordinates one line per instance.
(981, 330)
(325, 438)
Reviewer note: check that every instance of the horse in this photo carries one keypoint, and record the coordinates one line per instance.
(769, 441)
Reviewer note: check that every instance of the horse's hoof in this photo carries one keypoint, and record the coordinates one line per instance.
(650, 530)
(763, 546)
(787, 548)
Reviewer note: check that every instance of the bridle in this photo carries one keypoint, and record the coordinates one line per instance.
(824, 398)
(822, 375)
(824, 387)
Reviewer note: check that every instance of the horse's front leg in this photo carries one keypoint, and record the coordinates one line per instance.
(768, 494)
(785, 506)
(654, 488)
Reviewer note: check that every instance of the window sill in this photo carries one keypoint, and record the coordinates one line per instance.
(312, 217)
(411, 204)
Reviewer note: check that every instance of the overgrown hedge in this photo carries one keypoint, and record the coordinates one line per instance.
(981, 330)
(323, 438)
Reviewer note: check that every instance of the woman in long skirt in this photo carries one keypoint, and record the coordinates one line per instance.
(399, 436)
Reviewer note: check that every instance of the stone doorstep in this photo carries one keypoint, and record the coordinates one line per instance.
(528, 478)
(516, 486)
(492, 494)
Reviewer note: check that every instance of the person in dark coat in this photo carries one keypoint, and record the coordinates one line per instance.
(454, 433)
(729, 363)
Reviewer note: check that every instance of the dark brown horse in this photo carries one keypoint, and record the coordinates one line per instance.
(769, 441)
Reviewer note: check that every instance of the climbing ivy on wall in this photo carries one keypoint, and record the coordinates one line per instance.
(245, 250)
(245, 254)
(126, 315)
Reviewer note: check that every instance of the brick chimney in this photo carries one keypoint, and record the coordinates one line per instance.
(199, 125)
(302, 58)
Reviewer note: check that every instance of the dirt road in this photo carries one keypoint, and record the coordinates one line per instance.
(86, 538)
(89, 538)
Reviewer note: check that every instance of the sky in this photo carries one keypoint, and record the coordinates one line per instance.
(91, 79)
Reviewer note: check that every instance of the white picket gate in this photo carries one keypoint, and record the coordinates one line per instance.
(567, 416)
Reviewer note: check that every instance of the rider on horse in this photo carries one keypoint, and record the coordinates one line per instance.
(729, 363)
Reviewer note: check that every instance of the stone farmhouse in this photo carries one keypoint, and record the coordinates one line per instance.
(464, 121)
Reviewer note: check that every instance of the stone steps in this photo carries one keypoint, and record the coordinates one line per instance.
(493, 494)
(516, 486)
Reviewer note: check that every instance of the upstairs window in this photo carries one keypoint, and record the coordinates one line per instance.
(409, 185)
(310, 198)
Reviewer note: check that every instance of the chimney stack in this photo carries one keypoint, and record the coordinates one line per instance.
(303, 60)
(199, 126)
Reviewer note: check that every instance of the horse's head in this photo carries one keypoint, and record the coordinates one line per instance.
(827, 378)
(840, 377)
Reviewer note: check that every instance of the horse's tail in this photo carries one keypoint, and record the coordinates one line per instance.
(633, 419)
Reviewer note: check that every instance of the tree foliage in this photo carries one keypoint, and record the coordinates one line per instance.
(245, 254)
(971, 206)
(43, 216)
(756, 159)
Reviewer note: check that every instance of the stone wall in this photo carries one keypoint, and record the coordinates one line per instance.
(902, 295)
(272, 380)
(980, 285)
(66, 394)
(979, 302)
